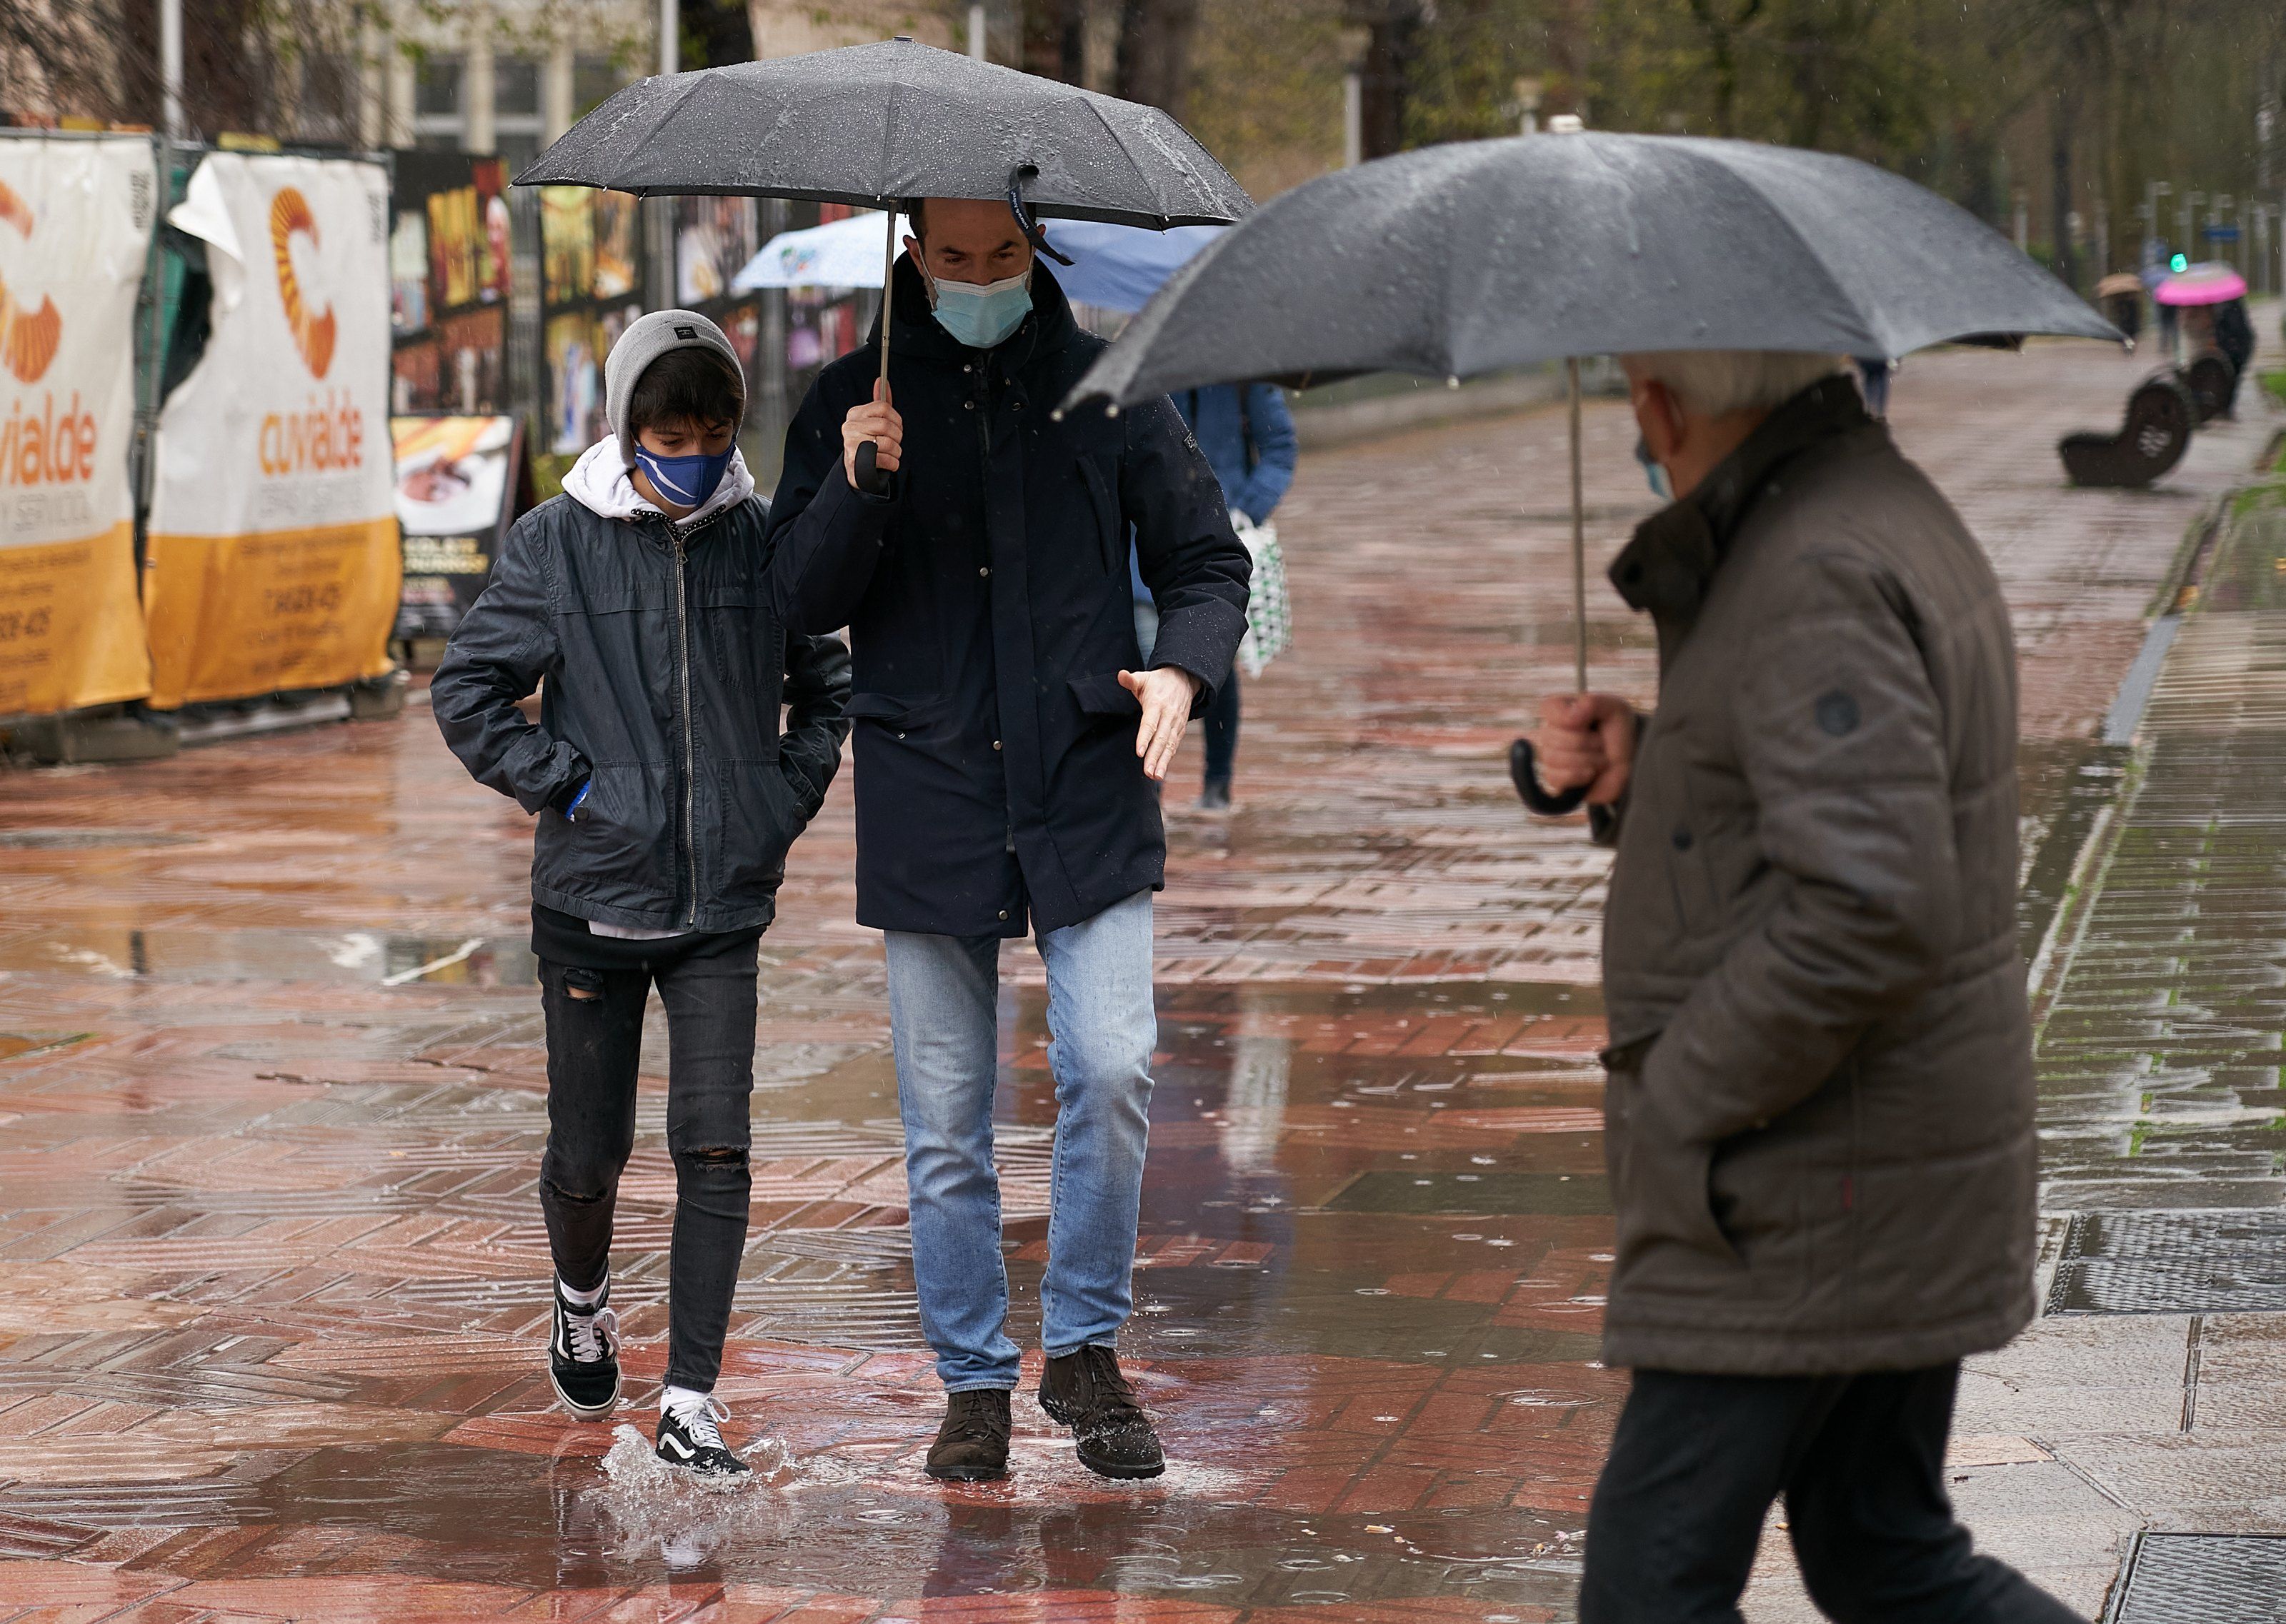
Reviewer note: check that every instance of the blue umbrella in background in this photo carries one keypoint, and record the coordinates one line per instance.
(1113, 268)
(1119, 267)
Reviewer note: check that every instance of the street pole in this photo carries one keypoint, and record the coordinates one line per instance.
(171, 68)
(976, 33)
(1352, 119)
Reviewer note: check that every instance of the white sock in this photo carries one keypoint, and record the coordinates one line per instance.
(584, 1299)
(682, 1398)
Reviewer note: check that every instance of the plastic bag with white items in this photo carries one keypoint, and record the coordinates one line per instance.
(1269, 618)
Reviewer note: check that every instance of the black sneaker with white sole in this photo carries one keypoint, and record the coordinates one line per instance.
(689, 1438)
(583, 1356)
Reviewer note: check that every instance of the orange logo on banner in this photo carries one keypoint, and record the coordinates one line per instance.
(313, 336)
(28, 338)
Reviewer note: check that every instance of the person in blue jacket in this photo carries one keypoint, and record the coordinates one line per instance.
(1247, 435)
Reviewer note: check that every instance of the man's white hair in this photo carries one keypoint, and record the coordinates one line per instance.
(1710, 382)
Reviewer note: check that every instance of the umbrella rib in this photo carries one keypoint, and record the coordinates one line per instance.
(1120, 141)
(888, 135)
(1833, 282)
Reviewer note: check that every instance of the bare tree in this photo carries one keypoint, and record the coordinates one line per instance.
(59, 58)
(1055, 39)
(1154, 58)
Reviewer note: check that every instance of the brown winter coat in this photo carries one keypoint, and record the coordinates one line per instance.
(1819, 1113)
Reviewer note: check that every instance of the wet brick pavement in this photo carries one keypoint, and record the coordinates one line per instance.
(271, 1109)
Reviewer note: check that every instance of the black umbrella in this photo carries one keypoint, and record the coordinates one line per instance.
(1480, 255)
(874, 125)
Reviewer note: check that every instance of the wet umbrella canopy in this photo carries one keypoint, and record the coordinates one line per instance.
(876, 124)
(1480, 255)
(1470, 257)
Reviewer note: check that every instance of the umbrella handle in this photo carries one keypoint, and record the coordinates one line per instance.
(871, 478)
(1538, 801)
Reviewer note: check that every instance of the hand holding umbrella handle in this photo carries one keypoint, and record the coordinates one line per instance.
(871, 478)
(1523, 773)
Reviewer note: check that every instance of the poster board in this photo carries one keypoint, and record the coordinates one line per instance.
(76, 218)
(460, 482)
(714, 240)
(590, 288)
(273, 559)
(449, 272)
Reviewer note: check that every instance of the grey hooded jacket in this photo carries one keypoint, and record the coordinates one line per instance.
(1820, 1105)
(665, 670)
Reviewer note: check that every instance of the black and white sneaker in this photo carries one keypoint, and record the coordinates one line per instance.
(689, 1438)
(583, 1356)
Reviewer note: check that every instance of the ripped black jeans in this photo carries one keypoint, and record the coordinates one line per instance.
(595, 1039)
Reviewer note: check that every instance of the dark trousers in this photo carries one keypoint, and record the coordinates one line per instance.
(594, 1038)
(1221, 723)
(1860, 1460)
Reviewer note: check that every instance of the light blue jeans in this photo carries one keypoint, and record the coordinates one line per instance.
(944, 1005)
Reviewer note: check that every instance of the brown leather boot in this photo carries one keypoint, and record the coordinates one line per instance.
(1085, 1392)
(972, 1446)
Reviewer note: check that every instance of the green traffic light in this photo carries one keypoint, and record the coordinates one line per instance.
(2178, 264)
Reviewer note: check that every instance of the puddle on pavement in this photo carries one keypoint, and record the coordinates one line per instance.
(482, 1516)
(1311, 1331)
(296, 957)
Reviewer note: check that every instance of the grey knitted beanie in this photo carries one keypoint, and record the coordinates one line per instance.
(646, 339)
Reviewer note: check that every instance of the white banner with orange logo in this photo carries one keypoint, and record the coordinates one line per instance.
(273, 559)
(75, 223)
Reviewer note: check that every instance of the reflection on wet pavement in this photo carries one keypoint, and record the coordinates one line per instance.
(2160, 1057)
(272, 1105)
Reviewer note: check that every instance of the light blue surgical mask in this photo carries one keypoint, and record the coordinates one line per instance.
(981, 317)
(1653, 474)
(687, 482)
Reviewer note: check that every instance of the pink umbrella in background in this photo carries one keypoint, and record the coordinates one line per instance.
(2208, 284)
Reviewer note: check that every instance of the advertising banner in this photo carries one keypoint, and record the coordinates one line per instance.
(460, 482)
(589, 262)
(273, 549)
(75, 221)
(714, 240)
(448, 277)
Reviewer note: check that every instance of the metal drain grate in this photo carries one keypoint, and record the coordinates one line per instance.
(2199, 1262)
(2204, 1579)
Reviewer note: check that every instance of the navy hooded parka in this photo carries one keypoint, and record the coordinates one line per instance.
(988, 607)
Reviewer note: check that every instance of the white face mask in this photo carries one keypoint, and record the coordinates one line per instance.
(982, 315)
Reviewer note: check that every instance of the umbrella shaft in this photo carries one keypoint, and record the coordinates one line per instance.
(1578, 543)
(888, 286)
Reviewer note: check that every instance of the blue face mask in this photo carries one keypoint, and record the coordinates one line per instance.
(1653, 475)
(981, 317)
(687, 482)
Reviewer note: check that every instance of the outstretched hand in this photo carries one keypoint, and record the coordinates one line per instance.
(1166, 694)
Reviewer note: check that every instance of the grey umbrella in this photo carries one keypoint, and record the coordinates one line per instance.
(1480, 255)
(874, 125)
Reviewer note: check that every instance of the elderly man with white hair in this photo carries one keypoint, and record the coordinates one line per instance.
(1819, 1110)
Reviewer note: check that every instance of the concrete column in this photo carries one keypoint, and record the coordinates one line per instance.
(371, 84)
(398, 78)
(477, 134)
(555, 89)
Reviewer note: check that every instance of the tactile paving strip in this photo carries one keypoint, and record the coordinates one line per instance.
(2205, 1579)
(2193, 1262)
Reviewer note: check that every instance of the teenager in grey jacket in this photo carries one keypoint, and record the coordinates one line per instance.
(667, 799)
